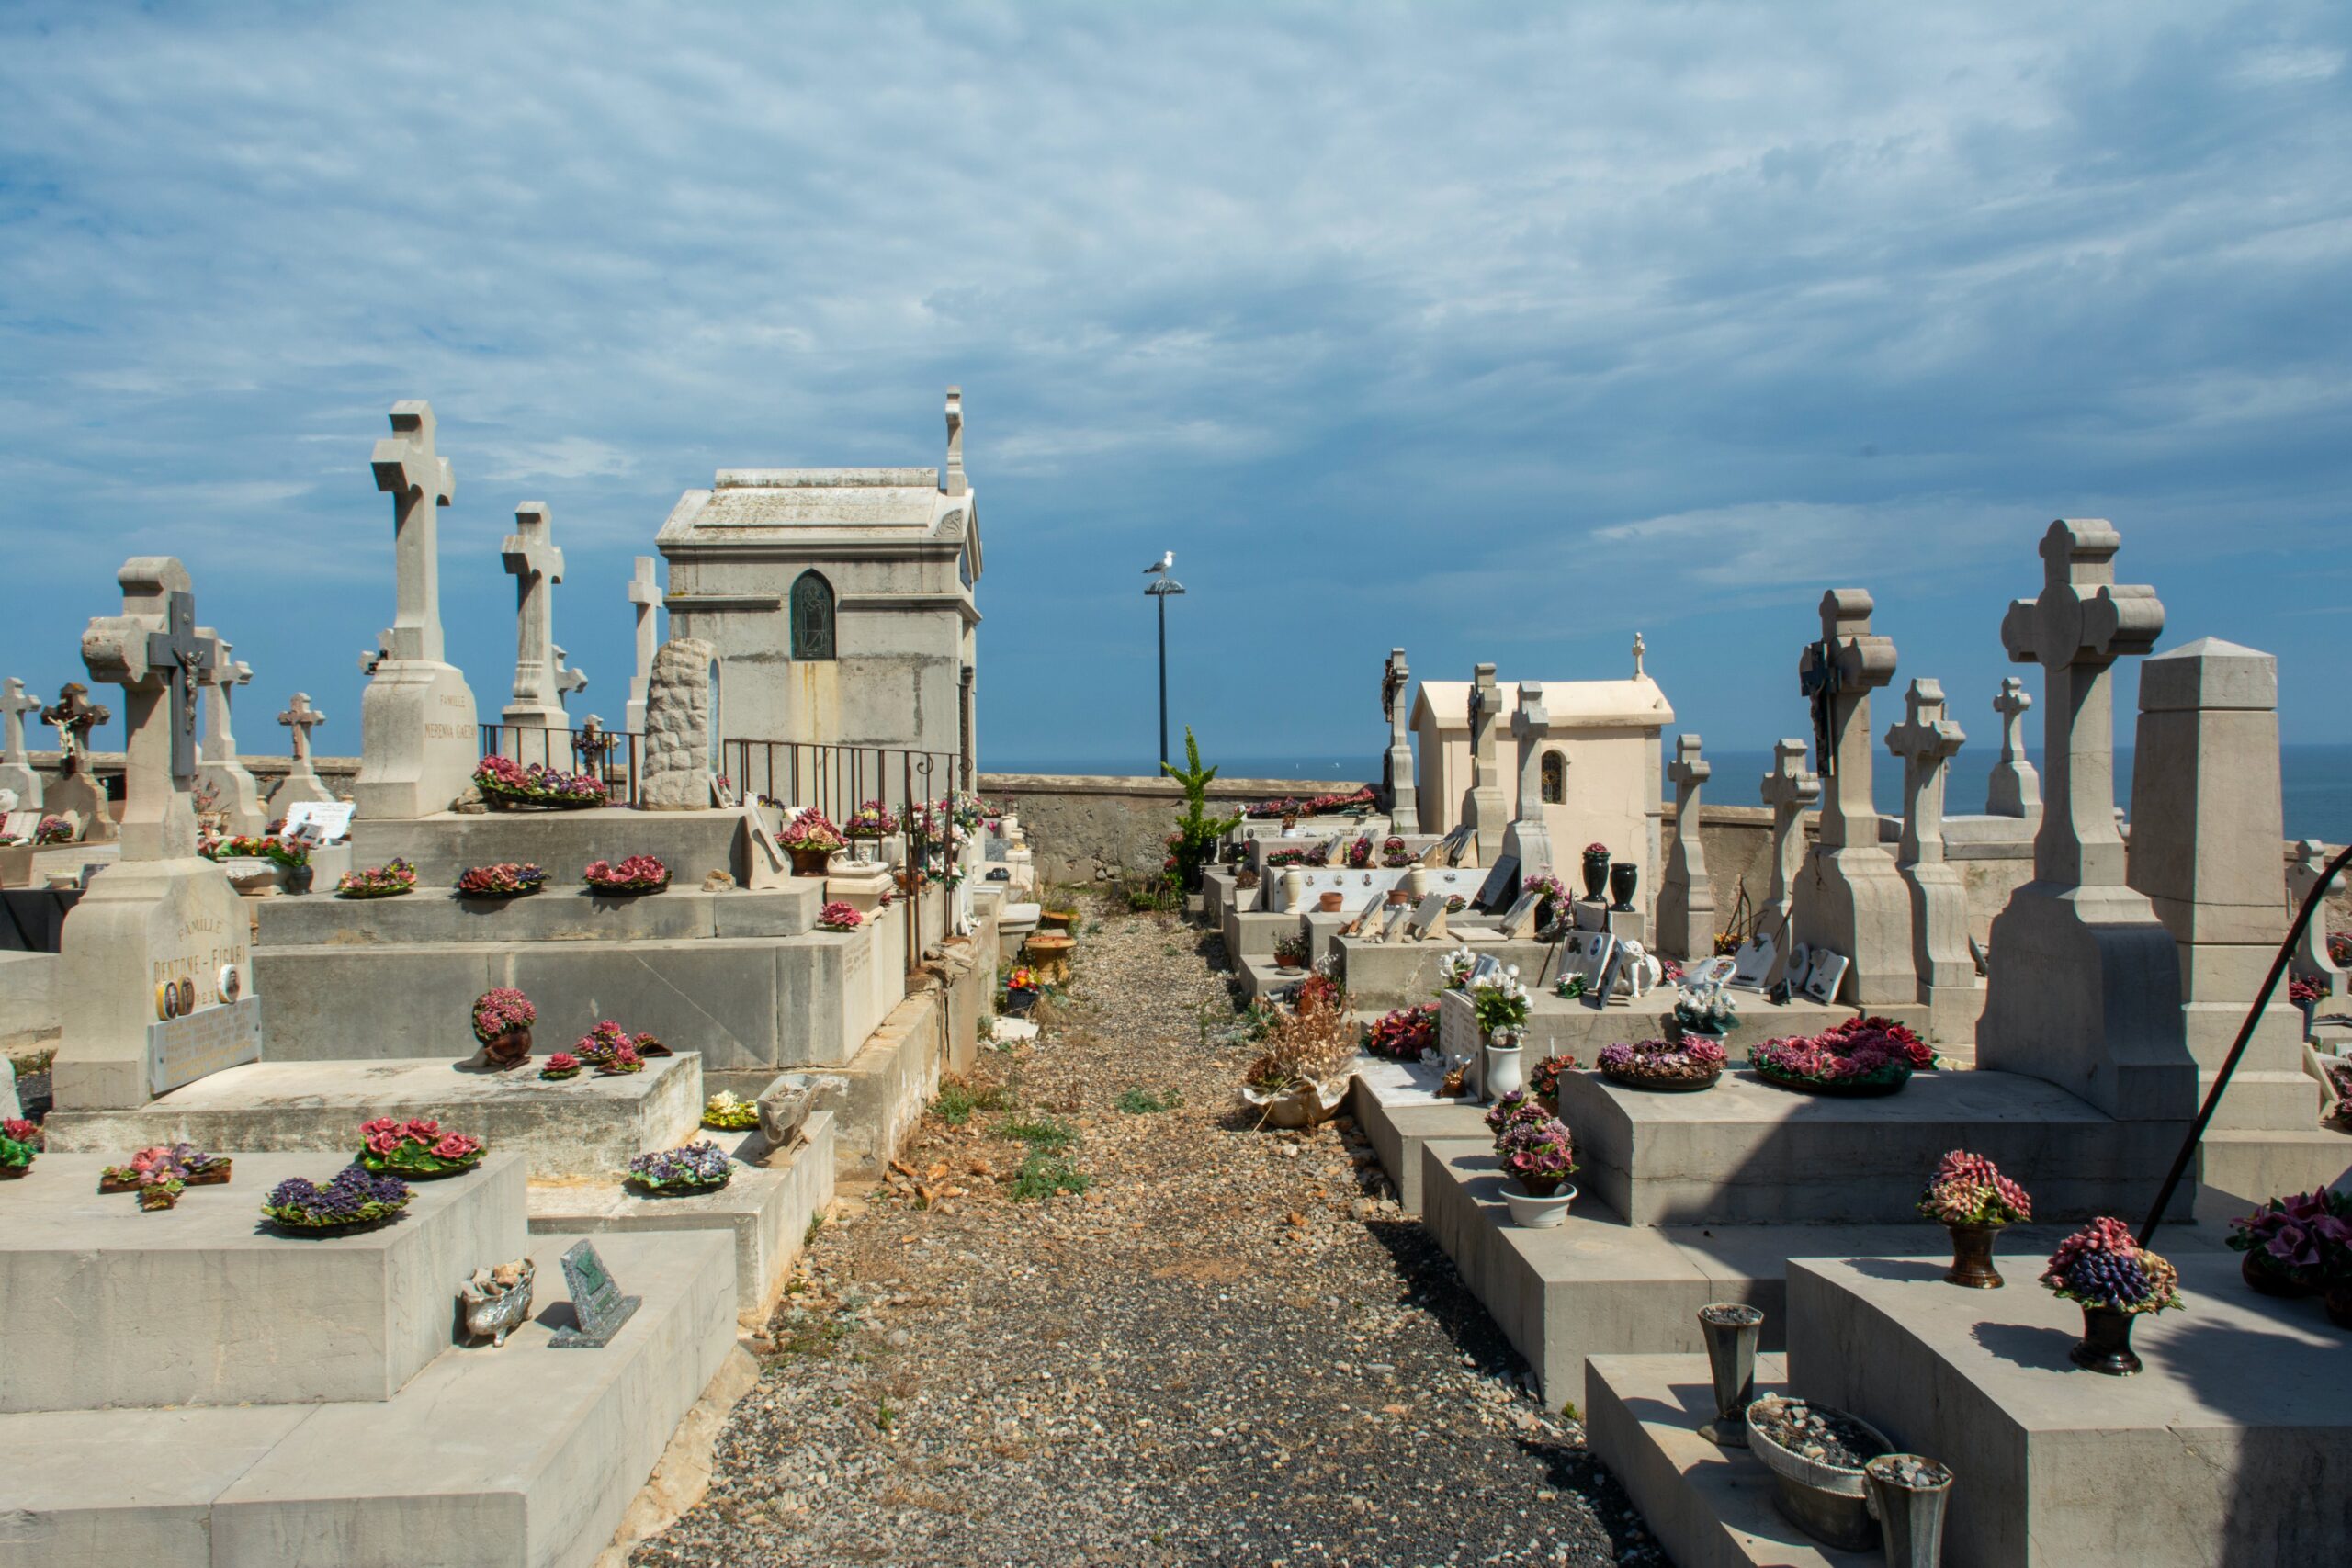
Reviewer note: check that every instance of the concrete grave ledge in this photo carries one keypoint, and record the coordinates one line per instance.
(1397, 1106)
(31, 1013)
(2239, 1170)
(880, 1093)
(508, 1456)
(2235, 1445)
(585, 1126)
(554, 914)
(111, 1306)
(764, 1211)
(691, 843)
(1391, 974)
(1745, 1152)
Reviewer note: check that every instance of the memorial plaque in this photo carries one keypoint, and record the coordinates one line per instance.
(187, 1046)
(19, 824)
(1429, 920)
(1602, 993)
(1519, 920)
(598, 1308)
(1825, 973)
(1485, 970)
(1499, 883)
(1753, 963)
(332, 818)
(1393, 924)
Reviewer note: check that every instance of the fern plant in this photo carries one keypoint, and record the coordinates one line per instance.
(1193, 844)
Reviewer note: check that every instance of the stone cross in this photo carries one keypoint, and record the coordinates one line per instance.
(593, 745)
(2311, 960)
(1790, 789)
(14, 705)
(567, 678)
(1639, 648)
(1404, 794)
(2015, 788)
(299, 716)
(1531, 727)
(1838, 674)
(73, 718)
(220, 742)
(152, 651)
(1926, 741)
(1485, 814)
(951, 479)
(537, 565)
(419, 481)
(2081, 625)
(1686, 905)
(646, 594)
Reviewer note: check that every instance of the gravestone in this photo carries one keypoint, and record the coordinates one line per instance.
(2311, 959)
(598, 1308)
(1501, 884)
(77, 794)
(2014, 789)
(1926, 741)
(1428, 921)
(1527, 843)
(236, 794)
(301, 784)
(1404, 792)
(1790, 789)
(160, 913)
(646, 594)
(1856, 903)
(418, 744)
(1482, 811)
(2205, 832)
(16, 762)
(2085, 988)
(536, 563)
(679, 738)
(1686, 905)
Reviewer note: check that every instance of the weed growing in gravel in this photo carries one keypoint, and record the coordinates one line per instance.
(886, 1417)
(1042, 1137)
(1143, 1102)
(1042, 1174)
(808, 1236)
(957, 1102)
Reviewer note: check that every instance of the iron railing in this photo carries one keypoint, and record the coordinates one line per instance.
(614, 756)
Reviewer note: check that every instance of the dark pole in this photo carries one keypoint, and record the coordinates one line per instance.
(1163, 677)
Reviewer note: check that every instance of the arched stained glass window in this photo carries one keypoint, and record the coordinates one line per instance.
(812, 618)
(1556, 779)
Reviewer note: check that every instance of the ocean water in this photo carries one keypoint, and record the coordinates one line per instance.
(2315, 780)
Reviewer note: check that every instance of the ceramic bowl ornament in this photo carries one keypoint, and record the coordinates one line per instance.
(498, 1301)
(501, 1020)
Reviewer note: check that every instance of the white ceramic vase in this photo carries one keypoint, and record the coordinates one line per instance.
(1504, 1074)
(1531, 1213)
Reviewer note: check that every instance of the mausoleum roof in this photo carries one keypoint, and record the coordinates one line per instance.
(802, 507)
(1572, 705)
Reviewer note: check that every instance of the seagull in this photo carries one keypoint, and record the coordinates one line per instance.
(1167, 562)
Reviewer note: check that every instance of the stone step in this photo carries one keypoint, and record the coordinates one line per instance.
(513, 1455)
(1397, 1106)
(691, 843)
(554, 914)
(2238, 1171)
(108, 1305)
(583, 1126)
(1745, 1152)
(1391, 974)
(765, 1210)
(1709, 1507)
(2233, 1445)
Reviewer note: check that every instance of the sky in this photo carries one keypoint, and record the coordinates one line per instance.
(1494, 333)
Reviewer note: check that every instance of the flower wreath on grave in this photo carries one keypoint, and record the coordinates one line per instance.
(725, 1113)
(417, 1150)
(158, 1174)
(354, 1200)
(638, 873)
(507, 879)
(54, 831)
(1668, 1066)
(839, 917)
(1277, 858)
(871, 820)
(1859, 1056)
(698, 1166)
(504, 781)
(561, 1066)
(245, 846)
(2298, 1245)
(1543, 1080)
(20, 1145)
(1393, 853)
(378, 881)
(1403, 1035)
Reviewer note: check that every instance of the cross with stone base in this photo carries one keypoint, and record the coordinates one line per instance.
(185, 659)
(73, 718)
(567, 678)
(1926, 741)
(14, 703)
(219, 743)
(152, 650)
(298, 717)
(536, 563)
(646, 594)
(1790, 789)
(2014, 789)
(1838, 674)
(593, 745)
(2081, 625)
(418, 480)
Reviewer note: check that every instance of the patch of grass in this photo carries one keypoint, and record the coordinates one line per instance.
(886, 1417)
(1043, 1137)
(957, 1102)
(1569, 1410)
(808, 1236)
(807, 1333)
(1042, 1174)
(1153, 893)
(1143, 1102)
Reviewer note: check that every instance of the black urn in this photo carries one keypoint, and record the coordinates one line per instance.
(1623, 876)
(1596, 872)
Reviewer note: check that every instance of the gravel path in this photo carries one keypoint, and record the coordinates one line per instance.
(1231, 1347)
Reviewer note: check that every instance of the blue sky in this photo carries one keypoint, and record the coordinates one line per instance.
(1497, 333)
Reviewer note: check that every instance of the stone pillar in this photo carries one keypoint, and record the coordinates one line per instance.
(1790, 789)
(236, 793)
(535, 729)
(16, 763)
(2311, 959)
(1686, 904)
(2084, 988)
(418, 746)
(678, 720)
(301, 784)
(1856, 903)
(2014, 789)
(1528, 838)
(646, 594)
(1926, 741)
(2205, 833)
(1404, 791)
(1484, 811)
(160, 913)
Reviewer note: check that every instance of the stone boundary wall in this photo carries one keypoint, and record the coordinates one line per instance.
(335, 773)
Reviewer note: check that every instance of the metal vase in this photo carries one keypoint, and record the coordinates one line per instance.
(2105, 1344)
(1910, 1513)
(1733, 1330)
(1972, 1258)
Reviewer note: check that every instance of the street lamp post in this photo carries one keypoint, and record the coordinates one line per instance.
(1164, 587)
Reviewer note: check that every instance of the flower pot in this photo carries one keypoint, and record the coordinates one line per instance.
(810, 863)
(1504, 1074)
(1596, 874)
(1529, 1212)
(1733, 1330)
(495, 1313)
(1972, 1258)
(1017, 1003)
(299, 877)
(1907, 1495)
(503, 1052)
(1289, 960)
(1825, 1501)
(1622, 877)
(1056, 920)
(2106, 1345)
(1399, 896)
(2265, 1280)
(1332, 903)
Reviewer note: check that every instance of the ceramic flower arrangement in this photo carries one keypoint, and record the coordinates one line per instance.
(1689, 1064)
(417, 1150)
(1359, 854)
(353, 1198)
(810, 830)
(1277, 858)
(20, 1145)
(1705, 1009)
(504, 781)
(507, 879)
(608, 1042)
(1500, 1003)
(1405, 1035)
(697, 1167)
(839, 917)
(871, 820)
(378, 881)
(246, 846)
(2303, 992)
(725, 1113)
(2101, 1267)
(1969, 1189)
(501, 1011)
(54, 831)
(2298, 1245)
(1534, 1147)
(1393, 853)
(1291, 952)
(1861, 1056)
(638, 873)
(1543, 1079)
(1571, 986)
(561, 1066)
(1454, 969)
(1023, 979)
